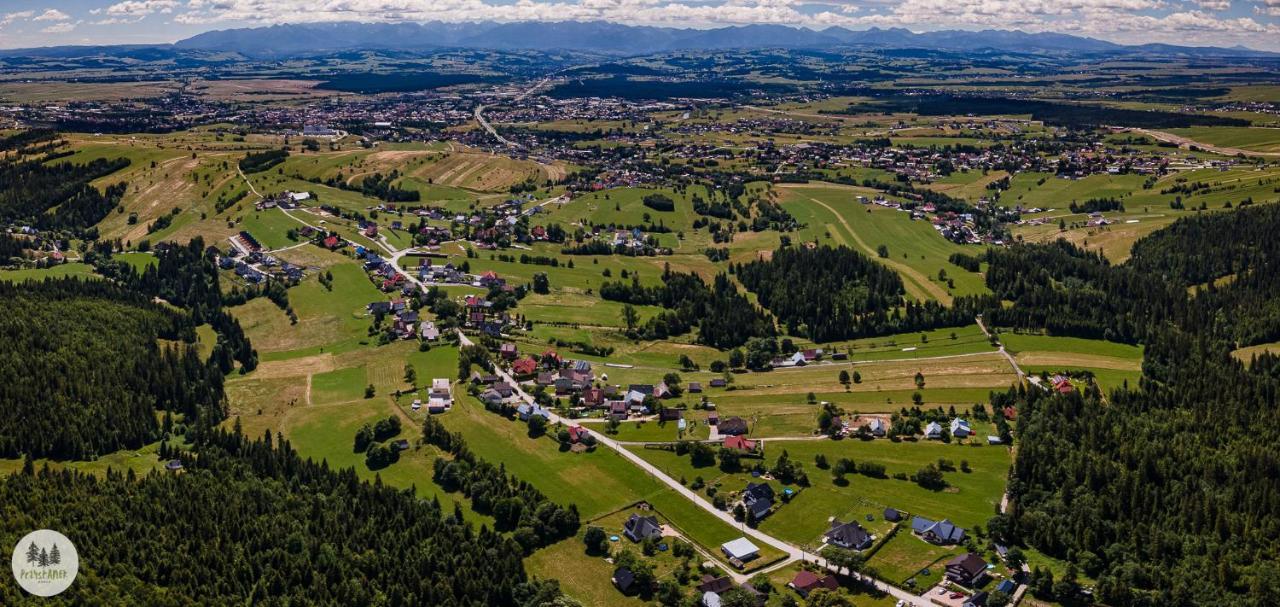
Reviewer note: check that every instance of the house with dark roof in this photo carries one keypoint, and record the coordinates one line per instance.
(937, 532)
(694, 387)
(967, 570)
(892, 515)
(850, 536)
(734, 426)
(623, 579)
(757, 498)
(618, 409)
(639, 528)
(668, 414)
(719, 383)
(979, 599)
(711, 583)
(806, 581)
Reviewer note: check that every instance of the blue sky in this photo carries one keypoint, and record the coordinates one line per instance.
(1253, 23)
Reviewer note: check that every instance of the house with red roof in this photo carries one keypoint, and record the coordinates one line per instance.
(739, 443)
(807, 581)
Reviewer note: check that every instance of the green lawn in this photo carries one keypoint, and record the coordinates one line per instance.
(270, 227)
(905, 557)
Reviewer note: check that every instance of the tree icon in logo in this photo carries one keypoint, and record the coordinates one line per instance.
(43, 557)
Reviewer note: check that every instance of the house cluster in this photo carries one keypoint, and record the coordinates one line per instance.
(406, 322)
(959, 428)
(481, 315)
(446, 274)
(494, 391)
(284, 200)
(383, 272)
(257, 266)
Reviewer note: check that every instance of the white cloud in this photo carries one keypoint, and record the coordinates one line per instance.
(1213, 5)
(11, 17)
(59, 28)
(53, 14)
(1268, 7)
(135, 8)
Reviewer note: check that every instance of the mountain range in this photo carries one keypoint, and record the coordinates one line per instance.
(295, 40)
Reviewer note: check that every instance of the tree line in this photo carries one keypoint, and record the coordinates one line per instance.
(252, 522)
(516, 506)
(725, 317)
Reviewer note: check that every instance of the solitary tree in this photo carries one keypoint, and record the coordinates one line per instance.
(630, 317)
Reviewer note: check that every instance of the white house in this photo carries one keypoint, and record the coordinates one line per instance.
(933, 430)
(741, 549)
(960, 428)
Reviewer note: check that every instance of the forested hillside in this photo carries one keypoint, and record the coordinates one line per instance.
(725, 318)
(56, 195)
(249, 522)
(1168, 493)
(829, 294)
(82, 372)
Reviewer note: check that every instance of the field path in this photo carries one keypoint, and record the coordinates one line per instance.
(1003, 352)
(922, 284)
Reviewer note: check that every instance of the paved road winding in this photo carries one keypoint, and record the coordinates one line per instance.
(793, 553)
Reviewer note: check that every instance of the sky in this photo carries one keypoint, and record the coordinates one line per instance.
(1252, 23)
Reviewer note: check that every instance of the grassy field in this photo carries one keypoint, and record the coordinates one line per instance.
(1146, 210)
(334, 319)
(969, 501)
(916, 251)
(58, 271)
(1255, 139)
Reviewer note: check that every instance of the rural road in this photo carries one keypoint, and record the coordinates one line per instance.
(793, 553)
(1003, 352)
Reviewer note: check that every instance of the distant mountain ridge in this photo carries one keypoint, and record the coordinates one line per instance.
(607, 37)
(602, 37)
